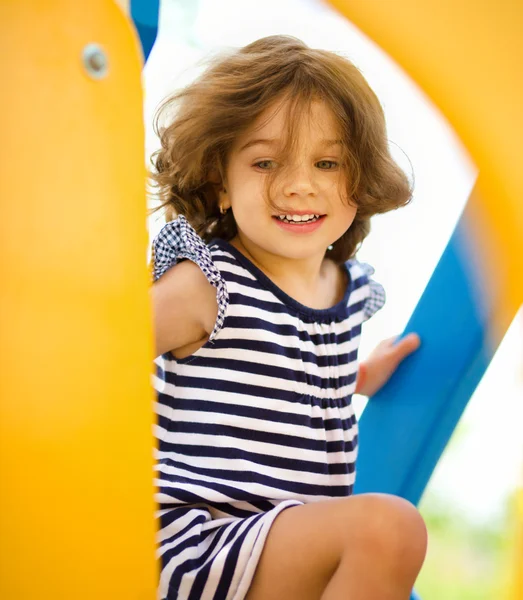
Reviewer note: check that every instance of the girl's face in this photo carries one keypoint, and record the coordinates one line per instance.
(310, 192)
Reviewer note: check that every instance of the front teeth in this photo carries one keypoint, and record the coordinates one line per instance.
(298, 218)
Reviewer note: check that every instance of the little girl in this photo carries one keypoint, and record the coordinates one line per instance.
(273, 160)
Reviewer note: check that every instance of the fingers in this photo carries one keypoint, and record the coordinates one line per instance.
(407, 345)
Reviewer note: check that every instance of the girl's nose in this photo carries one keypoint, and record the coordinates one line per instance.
(299, 181)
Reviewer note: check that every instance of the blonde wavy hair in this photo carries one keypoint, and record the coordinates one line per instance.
(204, 119)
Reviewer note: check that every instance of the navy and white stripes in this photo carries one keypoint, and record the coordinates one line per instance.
(258, 419)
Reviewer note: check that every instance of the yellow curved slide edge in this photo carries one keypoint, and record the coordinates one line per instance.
(467, 57)
(76, 499)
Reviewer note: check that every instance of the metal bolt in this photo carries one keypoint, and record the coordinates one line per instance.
(95, 61)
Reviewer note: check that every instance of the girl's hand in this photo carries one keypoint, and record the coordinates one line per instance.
(383, 361)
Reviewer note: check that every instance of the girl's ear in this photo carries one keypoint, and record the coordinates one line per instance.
(217, 182)
(214, 177)
(223, 200)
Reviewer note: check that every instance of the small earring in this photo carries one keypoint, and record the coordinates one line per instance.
(223, 210)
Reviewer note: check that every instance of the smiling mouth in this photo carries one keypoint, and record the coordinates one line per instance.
(299, 219)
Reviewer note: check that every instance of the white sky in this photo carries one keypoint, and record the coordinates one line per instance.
(486, 461)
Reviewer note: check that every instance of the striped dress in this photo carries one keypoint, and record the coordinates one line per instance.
(257, 420)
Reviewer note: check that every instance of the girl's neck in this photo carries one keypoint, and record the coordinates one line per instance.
(315, 281)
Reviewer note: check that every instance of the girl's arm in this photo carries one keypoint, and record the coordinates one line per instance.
(184, 307)
(374, 373)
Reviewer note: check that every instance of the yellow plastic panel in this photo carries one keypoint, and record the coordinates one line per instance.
(76, 503)
(468, 57)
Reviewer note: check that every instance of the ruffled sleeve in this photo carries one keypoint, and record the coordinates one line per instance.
(376, 293)
(366, 290)
(176, 241)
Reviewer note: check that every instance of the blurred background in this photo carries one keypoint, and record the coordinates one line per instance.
(469, 505)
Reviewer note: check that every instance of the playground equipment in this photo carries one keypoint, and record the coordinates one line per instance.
(76, 519)
(76, 513)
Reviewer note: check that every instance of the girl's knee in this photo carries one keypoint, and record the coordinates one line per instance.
(404, 528)
(391, 528)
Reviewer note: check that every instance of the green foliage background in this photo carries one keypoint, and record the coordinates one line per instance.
(465, 560)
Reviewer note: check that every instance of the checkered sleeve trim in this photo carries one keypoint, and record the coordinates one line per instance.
(376, 298)
(178, 240)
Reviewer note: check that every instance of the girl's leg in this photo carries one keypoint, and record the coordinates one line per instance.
(366, 547)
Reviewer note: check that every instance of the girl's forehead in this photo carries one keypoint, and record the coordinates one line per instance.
(315, 120)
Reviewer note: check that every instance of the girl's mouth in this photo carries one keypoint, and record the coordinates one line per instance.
(306, 223)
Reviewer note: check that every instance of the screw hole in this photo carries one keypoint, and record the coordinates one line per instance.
(95, 61)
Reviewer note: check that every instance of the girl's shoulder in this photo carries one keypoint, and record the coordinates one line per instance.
(178, 241)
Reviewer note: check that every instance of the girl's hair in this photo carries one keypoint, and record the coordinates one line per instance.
(210, 113)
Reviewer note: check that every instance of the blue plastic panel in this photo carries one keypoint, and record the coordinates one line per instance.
(145, 14)
(406, 426)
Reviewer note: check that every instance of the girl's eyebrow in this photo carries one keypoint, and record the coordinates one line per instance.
(274, 142)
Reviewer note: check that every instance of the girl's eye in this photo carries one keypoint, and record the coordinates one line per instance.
(265, 165)
(327, 165)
